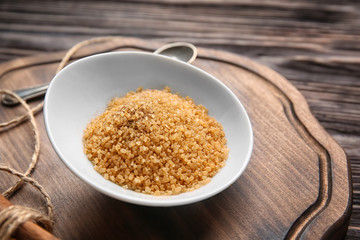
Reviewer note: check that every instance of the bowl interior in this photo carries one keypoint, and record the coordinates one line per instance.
(82, 90)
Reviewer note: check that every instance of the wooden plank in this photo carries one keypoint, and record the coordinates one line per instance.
(288, 36)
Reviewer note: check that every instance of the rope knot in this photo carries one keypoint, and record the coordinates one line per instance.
(12, 217)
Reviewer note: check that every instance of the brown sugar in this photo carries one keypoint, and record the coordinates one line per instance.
(156, 142)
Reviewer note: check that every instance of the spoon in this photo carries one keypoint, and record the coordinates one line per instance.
(182, 51)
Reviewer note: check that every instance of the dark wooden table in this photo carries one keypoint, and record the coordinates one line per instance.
(315, 45)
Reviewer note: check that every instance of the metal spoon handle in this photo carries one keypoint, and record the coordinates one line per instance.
(25, 93)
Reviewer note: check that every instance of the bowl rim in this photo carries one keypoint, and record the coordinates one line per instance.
(145, 201)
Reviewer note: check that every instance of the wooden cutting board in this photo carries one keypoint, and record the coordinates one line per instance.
(297, 184)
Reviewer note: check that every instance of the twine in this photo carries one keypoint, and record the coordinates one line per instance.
(12, 217)
(35, 155)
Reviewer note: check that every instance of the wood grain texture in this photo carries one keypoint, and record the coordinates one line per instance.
(314, 44)
(297, 184)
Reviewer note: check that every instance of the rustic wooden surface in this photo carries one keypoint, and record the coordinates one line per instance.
(297, 182)
(314, 45)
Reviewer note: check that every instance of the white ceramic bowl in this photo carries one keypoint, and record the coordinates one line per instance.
(82, 90)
